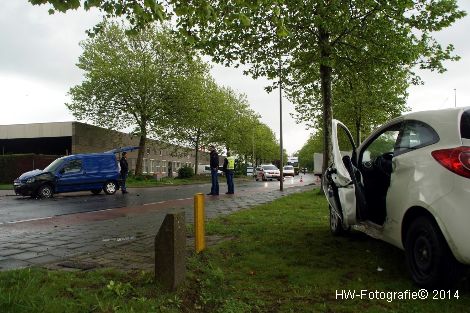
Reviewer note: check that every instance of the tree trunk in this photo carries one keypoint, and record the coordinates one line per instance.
(325, 77)
(358, 132)
(140, 155)
(196, 152)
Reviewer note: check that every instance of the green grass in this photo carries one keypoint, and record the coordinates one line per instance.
(278, 257)
(6, 186)
(139, 182)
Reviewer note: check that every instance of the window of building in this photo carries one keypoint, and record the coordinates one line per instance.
(151, 168)
(145, 169)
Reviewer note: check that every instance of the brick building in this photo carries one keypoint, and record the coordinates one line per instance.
(64, 138)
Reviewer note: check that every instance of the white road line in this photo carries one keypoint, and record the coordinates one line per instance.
(102, 210)
(29, 220)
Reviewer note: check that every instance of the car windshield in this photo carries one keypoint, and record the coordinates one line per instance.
(288, 167)
(270, 167)
(54, 165)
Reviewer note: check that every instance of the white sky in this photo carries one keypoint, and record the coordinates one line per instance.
(38, 53)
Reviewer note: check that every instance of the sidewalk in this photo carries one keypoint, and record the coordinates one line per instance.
(124, 242)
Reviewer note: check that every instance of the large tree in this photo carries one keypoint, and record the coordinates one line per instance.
(129, 79)
(321, 38)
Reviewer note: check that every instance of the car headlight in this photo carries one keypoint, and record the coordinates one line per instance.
(30, 180)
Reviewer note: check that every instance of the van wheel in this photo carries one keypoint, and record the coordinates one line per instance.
(96, 191)
(45, 192)
(110, 188)
(428, 257)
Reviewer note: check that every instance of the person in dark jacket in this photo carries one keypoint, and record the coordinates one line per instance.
(124, 171)
(214, 164)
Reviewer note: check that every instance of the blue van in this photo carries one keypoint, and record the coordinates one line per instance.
(79, 172)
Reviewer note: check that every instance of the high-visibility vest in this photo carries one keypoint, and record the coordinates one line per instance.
(231, 163)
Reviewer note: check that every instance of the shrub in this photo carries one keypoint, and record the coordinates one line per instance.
(185, 172)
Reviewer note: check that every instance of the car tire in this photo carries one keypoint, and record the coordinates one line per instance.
(110, 187)
(96, 191)
(336, 227)
(45, 191)
(428, 257)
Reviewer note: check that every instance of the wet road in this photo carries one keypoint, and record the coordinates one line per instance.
(15, 209)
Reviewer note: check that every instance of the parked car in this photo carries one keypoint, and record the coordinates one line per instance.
(79, 172)
(288, 170)
(267, 171)
(408, 184)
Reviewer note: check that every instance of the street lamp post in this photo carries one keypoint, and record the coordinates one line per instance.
(281, 180)
(455, 97)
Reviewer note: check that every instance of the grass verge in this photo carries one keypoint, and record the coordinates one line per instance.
(6, 186)
(280, 258)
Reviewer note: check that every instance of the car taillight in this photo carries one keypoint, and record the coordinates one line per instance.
(456, 160)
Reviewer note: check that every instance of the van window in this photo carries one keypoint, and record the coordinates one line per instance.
(465, 125)
(74, 166)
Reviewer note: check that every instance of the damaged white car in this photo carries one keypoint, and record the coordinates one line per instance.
(408, 184)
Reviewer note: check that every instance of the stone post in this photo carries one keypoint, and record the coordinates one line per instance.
(170, 251)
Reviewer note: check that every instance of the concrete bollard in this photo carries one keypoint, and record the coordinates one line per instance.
(170, 251)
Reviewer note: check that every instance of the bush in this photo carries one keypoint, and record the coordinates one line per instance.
(185, 172)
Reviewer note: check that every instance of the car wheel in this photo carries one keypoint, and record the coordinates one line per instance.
(428, 257)
(45, 191)
(336, 226)
(96, 191)
(110, 188)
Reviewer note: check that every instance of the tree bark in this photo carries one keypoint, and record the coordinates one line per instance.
(140, 154)
(325, 77)
(196, 152)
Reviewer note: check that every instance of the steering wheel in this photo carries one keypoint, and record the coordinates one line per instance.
(384, 163)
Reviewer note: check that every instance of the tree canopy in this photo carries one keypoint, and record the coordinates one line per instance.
(318, 41)
(130, 79)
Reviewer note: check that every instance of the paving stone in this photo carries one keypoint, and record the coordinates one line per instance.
(40, 248)
(26, 255)
(9, 264)
(9, 252)
(44, 259)
(25, 245)
(54, 243)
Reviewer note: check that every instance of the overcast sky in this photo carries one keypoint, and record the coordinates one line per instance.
(39, 51)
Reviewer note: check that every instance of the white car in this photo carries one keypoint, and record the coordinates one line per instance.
(288, 170)
(408, 184)
(267, 171)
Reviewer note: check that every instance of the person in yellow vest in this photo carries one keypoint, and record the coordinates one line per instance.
(229, 167)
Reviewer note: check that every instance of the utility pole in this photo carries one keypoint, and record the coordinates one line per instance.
(281, 181)
(455, 97)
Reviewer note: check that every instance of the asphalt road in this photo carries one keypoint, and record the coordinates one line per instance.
(14, 209)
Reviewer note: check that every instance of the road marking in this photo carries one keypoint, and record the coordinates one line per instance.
(29, 220)
(102, 210)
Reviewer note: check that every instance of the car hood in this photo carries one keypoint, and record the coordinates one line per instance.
(30, 174)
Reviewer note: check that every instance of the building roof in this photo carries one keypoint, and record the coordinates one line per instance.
(36, 130)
